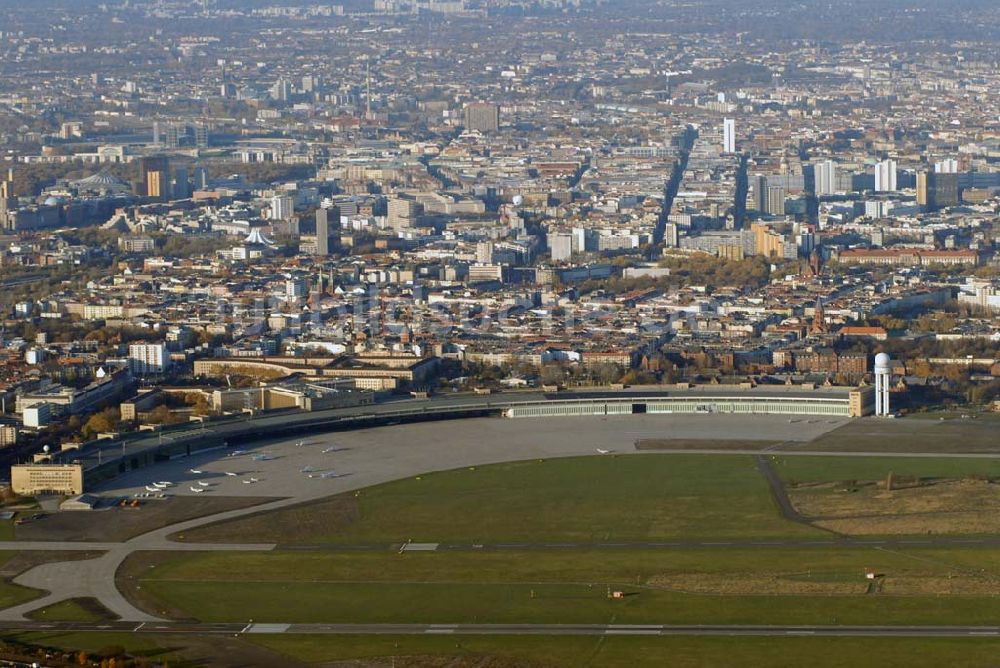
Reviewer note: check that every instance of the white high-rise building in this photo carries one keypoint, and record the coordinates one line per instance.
(826, 177)
(282, 207)
(561, 246)
(146, 358)
(948, 166)
(729, 135)
(885, 176)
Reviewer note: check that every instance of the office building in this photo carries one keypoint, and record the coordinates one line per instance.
(561, 246)
(775, 205)
(482, 117)
(182, 187)
(826, 178)
(155, 172)
(936, 190)
(729, 135)
(325, 239)
(34, 479)
(760, 193)
(885, 176)
(282, 207)
(404, 213)
(949, 166)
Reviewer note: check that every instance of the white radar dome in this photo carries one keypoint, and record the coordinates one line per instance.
(46, 449)
(882, 361)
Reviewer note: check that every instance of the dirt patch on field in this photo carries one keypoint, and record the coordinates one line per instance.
(701, 444)
(968, 506)
(960, 583)
(942, 585)
(778, 584)
(910, 435)
(120, 524)
(309, 522)
(474, 661)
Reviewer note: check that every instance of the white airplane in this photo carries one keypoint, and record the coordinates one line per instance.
(333, 449)
(194, 471)
(197, 490)
(165, 483)
(150, 488)
(601, 451)
(247, 482)
(204, 484)
(231, 474)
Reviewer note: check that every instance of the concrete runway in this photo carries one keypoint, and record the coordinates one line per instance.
(250, 628)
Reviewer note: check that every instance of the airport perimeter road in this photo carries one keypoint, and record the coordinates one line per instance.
(182, 628)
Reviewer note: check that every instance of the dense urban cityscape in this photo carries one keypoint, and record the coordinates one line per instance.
(224, 219)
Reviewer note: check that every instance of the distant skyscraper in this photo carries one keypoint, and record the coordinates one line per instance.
(200, 178)
(949, 166)
(760, 193)
(826, 177)
(201, 136)
(282, 207)
(937, 189)
(671, 237)
(182, 188)
(157, 134)
(171, 137)
(155, 172)
(281, 90)
(324, 240)
(561, 246)
(482, 117)
(885, 176)
(484, 252)
(776, 201)
(729, 135)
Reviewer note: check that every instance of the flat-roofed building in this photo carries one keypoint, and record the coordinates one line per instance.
(32, 479)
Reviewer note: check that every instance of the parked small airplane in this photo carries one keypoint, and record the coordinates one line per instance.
(203, 483)
(231, 474)
(150, 488)
(194, 471)
(197, 490)
(604, 452)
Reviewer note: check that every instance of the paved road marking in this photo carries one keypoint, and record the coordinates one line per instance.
(267, 628)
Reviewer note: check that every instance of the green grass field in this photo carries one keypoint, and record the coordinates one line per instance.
(571, 586)
(621, 652)
(578, 499)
